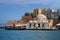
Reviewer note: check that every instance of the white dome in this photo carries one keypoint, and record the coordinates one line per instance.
(30, 21)
(41, 17)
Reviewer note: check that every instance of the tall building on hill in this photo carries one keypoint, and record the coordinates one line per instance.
(48, 13)
(51, 14)
(38, 11)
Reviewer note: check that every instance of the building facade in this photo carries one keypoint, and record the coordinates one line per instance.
(41, 23)
(38, 11)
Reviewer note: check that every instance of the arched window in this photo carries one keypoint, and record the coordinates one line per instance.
(30, 25)
(34, 25)
(42, 24)
(38, 24)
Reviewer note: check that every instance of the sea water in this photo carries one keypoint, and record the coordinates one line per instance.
(29, 35)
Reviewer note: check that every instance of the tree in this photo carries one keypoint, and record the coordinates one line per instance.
(27, 14)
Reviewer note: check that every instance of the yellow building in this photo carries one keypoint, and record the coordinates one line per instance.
(51, 21)
(38, 11)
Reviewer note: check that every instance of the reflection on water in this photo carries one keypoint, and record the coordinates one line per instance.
(29, 35)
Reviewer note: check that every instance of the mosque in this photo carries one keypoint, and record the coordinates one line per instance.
(40, 22)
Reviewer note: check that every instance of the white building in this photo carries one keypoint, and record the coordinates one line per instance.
(52, 14)
(40, 23)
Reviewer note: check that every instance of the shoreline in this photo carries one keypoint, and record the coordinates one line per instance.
(2, 27)
(26, 29)
(32, 29)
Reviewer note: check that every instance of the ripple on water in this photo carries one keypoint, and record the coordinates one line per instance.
(29, 35)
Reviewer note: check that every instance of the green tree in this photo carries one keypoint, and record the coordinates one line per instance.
(27, 14)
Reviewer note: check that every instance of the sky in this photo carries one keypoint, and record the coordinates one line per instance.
(15, 9)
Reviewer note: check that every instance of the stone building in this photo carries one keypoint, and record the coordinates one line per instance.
(41, 23)
(26, 18)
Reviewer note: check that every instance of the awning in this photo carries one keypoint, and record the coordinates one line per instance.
(58, 24)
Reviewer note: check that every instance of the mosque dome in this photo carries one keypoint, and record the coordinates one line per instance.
(41, 17)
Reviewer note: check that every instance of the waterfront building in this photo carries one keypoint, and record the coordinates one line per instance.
(21, 26)
(58, 26)
(51, 21)
(41, 23)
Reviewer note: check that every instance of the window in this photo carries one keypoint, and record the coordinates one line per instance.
(30, 25)
(38, 24)
(34, 24)
(43, 25)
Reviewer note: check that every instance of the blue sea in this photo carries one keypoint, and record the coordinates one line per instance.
(2, 24)
(29, 35)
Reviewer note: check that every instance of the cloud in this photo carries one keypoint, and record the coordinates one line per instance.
(53, 3)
